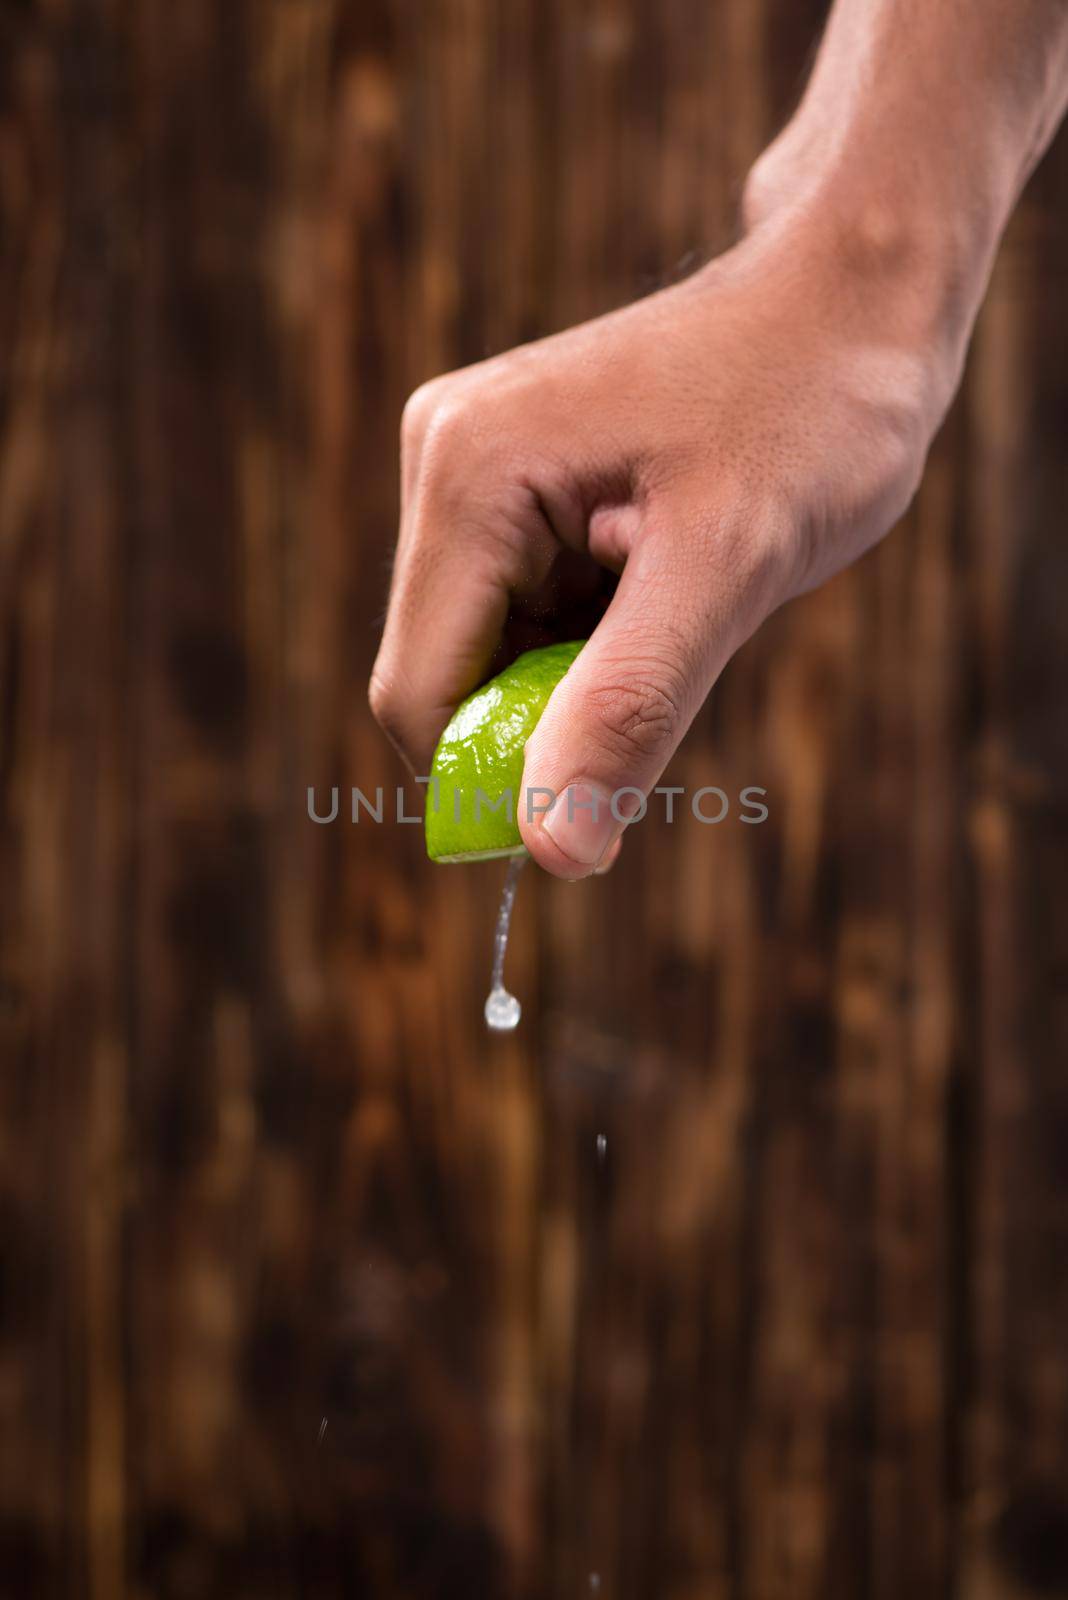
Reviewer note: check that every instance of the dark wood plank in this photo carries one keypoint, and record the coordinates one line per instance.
(308, 1287)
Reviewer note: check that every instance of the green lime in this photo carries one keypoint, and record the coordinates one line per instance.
(473, 798)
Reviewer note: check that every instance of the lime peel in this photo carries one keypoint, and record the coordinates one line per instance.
(478, 764)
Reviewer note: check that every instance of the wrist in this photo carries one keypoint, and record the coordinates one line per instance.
(889, 255)
(910, 146)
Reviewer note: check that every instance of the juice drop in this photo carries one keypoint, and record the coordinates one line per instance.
(503, 1009)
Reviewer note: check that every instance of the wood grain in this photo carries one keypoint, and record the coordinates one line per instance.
(309, 1288)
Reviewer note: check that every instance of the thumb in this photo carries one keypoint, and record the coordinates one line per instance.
(614, 721)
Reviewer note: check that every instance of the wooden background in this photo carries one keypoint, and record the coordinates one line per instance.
(308, 1287)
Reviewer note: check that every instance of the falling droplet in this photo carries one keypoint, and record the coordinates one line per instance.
(322, 1430)
(602, 1146)
(595, 1583)
(503, 1009)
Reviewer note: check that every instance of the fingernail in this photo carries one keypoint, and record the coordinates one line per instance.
(581, 824)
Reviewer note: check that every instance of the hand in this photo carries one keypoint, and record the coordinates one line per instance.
(730, 441)
(720, 446)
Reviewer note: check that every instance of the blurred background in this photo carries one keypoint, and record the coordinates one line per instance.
(308, 1287)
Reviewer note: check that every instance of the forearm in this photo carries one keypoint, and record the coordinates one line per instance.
(920, 124)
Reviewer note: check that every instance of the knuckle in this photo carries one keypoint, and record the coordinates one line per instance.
(753, 547)
(638, 717)
(468, 463)
(455, 425)
(385, 704)
(759, 194)
(754, 204)
(419, 408)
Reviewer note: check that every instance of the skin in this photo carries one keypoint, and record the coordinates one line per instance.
(732, 441)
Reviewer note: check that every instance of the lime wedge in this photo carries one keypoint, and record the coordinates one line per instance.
(473, 799)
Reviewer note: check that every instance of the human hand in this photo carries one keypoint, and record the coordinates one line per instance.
(720, 446)
(730, 441)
